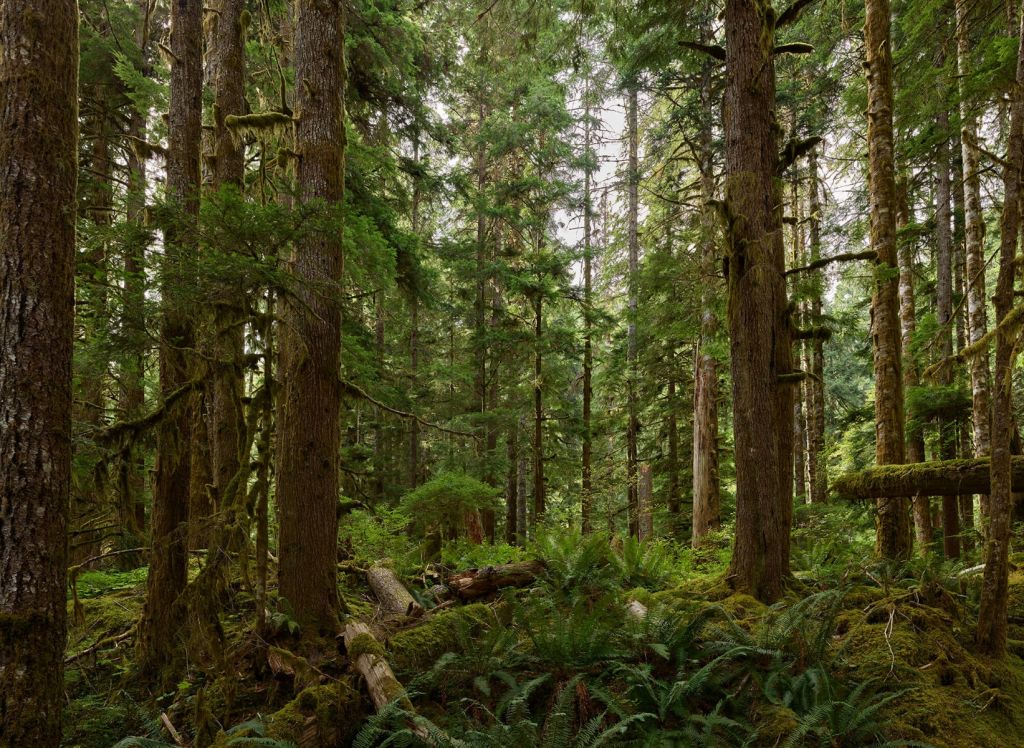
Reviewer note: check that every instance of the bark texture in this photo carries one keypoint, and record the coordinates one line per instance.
(992, 612)
(309, 434)
(816, 462)
(633, 247)
(159, 625)
(38, 179)
(944, 316)
(893, 539)
(974, 224)
(759, 323)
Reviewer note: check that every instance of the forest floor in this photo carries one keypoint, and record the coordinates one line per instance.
(856, 655)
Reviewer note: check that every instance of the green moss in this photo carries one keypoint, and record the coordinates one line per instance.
(365, 644)
(953, 697)
(334, 711)
(419, 647)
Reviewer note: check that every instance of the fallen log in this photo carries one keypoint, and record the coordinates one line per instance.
(395, 599)
(937, 478)
(369, 659)
(475, 583)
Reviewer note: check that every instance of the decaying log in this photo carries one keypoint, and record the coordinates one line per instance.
(369, 659)
(937, 478)
(394, 598)
(475, 583)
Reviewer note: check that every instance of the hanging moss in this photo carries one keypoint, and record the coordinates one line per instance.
(259, 125)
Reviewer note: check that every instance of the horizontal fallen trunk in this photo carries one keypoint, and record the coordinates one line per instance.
(938, 478)
(369, 659)
(395, 599)
(475, 583)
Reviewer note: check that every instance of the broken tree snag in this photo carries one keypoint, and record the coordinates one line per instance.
(369, 659)
(394, 598)
(938, 478)
(474, 583)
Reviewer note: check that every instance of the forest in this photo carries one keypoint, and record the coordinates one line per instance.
(510, 373)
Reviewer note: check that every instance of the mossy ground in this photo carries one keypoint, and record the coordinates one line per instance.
(914, 640)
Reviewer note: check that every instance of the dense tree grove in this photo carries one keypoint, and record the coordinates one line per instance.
(503, 373)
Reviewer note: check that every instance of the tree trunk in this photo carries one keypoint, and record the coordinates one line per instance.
(512, 496)
(944, 317)
(893, 518)
(586, 494)
(799, 416)
(538, 412)
(309, 434)
(168, 564)
(38, 177)
(226, 59)
(706, 512)
(706, 503)
(759, 325)
(975, 247)
(522, 524)
(816, 462)
(633, 246)
(992, 612)
(645, 498)
(911, 377)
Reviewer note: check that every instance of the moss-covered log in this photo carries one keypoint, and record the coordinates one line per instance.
(477, 583)
(369, 660)
(938, 478)
(395, 599)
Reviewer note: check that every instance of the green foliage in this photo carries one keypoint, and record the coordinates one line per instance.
(441, 504)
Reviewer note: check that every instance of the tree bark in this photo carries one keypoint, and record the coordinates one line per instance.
(38, 179)
(977, 322)
(158, 627)
(586, 494)
(799, 415)
(911, 376)
(226, 59)
(538, 411)
(645, 498)
(944, 317)
(892, 519)
(395, 599)
(309, 434)
(706, 502)
(706, 511)
(759, 324)
(816, 462)
(367, 656)
(633, 247)
(992, 613)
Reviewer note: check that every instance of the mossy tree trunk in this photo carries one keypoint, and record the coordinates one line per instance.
(911, 376)
(944, 317)
(977, 303)
(992, 612)
(38, 178)
(706, 511)
(227, 62)
(309, 430)
(633, 251)
(892, 518)
(816, 463)
(158, 627)
(759, 324)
